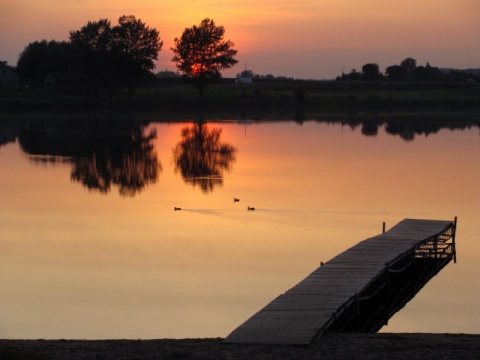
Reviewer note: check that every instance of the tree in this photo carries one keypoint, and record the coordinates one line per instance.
(201, 53)
(396, 73)
(29, 64)
(138, 45)
(93, 44)
(120, 55)
(246, 74)
(428, 73)
(41, 58)
(371, 71)
(354, 75)
(409, 64)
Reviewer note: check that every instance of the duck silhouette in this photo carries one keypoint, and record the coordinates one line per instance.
(236, 200)
(249, 208)
(177, 208)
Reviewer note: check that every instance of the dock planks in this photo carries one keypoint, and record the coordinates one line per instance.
(333, 291)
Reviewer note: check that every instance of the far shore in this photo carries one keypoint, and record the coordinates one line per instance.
(297, 100)
(332, 346)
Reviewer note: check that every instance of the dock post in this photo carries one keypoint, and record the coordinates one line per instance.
(383, 227)
(453, 240)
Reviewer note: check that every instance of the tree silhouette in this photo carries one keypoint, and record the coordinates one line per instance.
(138, 46)
(396, 73)
(371, 71)
(110, 56)
(41, 58)
(93, 45)
(201, 53)
(409, 64)
(201, 157)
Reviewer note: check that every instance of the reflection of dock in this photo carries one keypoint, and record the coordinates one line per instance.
(358, 290)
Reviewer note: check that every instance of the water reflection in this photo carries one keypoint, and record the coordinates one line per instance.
(408, 127)
(102, 155)
(138, 269)
(201, 158)
(370, 127)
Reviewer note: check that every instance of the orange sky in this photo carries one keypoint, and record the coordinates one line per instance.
(301, 38)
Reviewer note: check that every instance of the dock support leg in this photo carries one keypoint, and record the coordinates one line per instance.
(453, 240)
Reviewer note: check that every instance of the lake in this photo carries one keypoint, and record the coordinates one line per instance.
(92, 248)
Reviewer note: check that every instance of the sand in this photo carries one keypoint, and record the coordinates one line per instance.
(331, 346)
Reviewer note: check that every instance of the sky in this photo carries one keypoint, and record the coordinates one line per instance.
(306, 39)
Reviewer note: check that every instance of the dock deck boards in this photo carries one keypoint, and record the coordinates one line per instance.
(306, 310)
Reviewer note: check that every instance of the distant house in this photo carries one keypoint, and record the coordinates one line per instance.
(244, 80)
(166, 74)
(246, 77)
(8, 77)
(64, 82)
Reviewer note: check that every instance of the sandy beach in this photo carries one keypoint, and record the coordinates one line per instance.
(332, 346)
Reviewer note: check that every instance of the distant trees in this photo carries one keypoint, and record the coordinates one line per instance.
(407, 70)
(200, 53)
(371, 71)
(428, 73)
(396, 73)
(409, 64)
(246, 74)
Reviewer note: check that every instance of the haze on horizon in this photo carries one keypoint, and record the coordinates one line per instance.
(302, 39)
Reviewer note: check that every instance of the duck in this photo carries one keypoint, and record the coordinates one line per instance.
(177, 208)
(236, 200)
(249, 208)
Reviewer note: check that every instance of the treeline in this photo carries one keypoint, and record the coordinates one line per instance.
(98, 57)
(408, 70)
(103, 57)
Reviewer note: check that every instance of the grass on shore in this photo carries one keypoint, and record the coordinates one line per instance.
(287, 99)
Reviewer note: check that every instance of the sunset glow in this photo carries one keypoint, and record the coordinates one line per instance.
(198, 69)
(301, 38)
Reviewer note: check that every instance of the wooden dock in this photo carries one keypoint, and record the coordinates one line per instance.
(358, 290)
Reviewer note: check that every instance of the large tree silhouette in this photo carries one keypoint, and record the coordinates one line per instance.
(109, 56)
(201, 53)
(138, 46)
(201, 158)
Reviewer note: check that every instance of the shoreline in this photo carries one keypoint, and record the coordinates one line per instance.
(332, 346)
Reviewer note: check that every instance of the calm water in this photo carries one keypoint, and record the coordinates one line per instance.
(91, 246)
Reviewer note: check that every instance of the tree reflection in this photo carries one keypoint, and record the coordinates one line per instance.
(201, 157)
(370, 127)
(101, 156)
(409, 127)
(127, 161)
